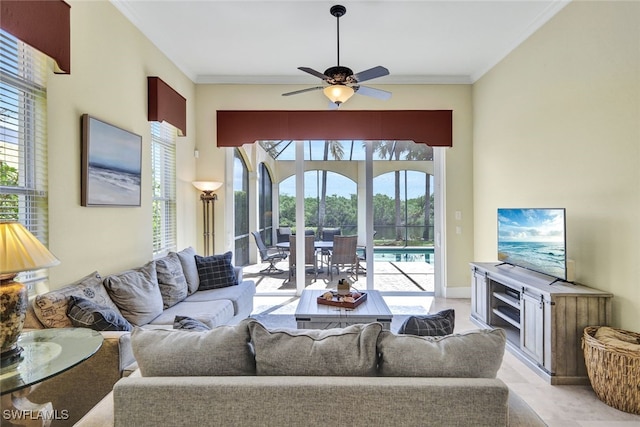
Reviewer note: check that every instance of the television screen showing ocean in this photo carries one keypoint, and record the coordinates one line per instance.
(545, 257)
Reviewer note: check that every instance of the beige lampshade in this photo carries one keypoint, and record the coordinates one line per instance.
(207, 186)
(338, 93)
(21, 251)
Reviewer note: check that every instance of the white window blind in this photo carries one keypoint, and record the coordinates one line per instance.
(23, 138)
(163, 159)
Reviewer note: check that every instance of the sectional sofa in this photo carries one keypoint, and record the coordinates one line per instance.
(148, 297)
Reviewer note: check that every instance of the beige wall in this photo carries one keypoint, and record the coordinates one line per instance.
(111, 60)
(268, 97)
(557, 124)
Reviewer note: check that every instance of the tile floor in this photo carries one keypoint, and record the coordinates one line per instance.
(558, 405)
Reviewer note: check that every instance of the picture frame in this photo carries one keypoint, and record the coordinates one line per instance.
(111, 164)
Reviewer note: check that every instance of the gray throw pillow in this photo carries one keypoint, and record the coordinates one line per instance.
(86, 314)
(173, 284)
(187, 258)
(189, 324)
(51, 308)
(136, 293)
(441, 323)
(471, 354)
(216, 271)
(349, 351)
(222, 351)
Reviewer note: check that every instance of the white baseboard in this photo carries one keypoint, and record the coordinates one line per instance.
(457, 292)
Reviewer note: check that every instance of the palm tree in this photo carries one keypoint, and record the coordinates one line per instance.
(337, 151)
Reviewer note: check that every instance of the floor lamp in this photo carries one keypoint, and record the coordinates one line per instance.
(208, 212)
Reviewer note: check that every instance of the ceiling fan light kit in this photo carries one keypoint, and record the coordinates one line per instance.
(343, 83)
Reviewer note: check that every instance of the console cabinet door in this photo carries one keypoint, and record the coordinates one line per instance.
(532, 326)
(479, 295)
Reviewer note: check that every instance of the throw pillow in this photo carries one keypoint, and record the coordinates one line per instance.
(86, 314)
(471, 354)
(216, 271)
(349, 351)
(51, 308)
(189, 324)
(188, 261)
(173, 284)
(441, 323)
(136, 293)
(222, 351)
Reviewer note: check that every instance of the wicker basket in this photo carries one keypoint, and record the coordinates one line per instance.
(614, 372)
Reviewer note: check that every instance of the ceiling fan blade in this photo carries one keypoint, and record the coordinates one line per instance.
(371, 73)
(375, 93)
(314, 73)
(295, 92)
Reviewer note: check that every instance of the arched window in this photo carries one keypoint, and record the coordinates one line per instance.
(265, 204)
(241, 209)
(328, 204)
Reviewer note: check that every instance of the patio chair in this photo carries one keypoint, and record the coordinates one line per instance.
(344, 253)
(265, 256)
(283, 234)
(327, 236)
(309, 255)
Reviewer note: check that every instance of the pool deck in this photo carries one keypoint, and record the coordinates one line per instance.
(388, 277)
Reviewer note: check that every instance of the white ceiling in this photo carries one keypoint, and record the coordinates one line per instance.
(240, 41)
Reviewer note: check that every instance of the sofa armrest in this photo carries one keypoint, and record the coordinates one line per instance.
(82, 387)
(238, 273)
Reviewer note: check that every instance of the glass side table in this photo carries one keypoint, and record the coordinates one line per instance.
(47, 353)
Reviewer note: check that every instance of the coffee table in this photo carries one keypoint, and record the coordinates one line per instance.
(311, 315)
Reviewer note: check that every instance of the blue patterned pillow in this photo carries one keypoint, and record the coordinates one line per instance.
(189, 324)
(87, 314)
(439, 324)
(216, 271)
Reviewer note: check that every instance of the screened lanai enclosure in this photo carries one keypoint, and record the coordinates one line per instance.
(382, 192)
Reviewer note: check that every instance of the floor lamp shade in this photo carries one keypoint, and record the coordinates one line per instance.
(19, 251)
(208, 215)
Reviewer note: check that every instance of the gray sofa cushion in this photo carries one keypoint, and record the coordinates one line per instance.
(211, 313)
(87, 314)
(173, 284)
(222, 351)
(471, 354)
(349, 351)
(187, 258)
(241, 296)
(438, 324)
(136, 293)
(51, 308)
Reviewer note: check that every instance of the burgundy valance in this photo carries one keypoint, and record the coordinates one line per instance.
(42, 24)
(165, 104)
(431, 127)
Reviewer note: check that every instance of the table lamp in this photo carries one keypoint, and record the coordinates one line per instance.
(19, 251)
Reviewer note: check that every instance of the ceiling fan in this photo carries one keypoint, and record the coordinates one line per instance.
(343, 83)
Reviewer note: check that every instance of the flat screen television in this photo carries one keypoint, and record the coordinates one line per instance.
(534, 239)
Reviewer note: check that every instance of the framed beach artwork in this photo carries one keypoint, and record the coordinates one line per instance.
(111, 164)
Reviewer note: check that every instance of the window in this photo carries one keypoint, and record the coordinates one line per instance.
(265, 202)
(23, 139)
(241, 206)
(163, 173)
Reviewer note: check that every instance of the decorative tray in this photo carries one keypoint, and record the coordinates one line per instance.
(336, 300)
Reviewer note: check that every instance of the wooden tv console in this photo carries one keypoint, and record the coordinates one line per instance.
(544, 319)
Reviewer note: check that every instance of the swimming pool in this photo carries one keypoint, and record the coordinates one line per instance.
(404, 254)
